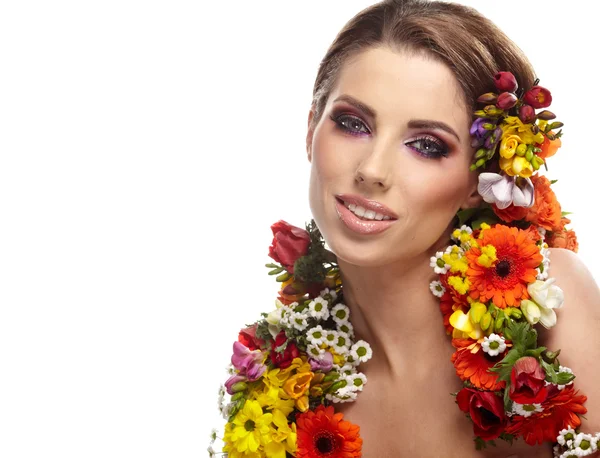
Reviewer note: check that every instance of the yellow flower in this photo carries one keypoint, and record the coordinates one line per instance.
(508, 146)
(250, 430)
(459, 284)
(512, 125)
(464, 327)
(272, 398)
(283, 438)
(488, 256)
(516, 165)
(297, 387)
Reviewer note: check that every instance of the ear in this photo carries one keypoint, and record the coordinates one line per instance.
(309, 134)
(473, 199)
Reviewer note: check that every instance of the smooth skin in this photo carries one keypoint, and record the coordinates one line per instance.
(406, 408)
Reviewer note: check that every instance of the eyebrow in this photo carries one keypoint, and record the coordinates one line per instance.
(413, 123)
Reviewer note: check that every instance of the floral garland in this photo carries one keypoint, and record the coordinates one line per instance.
(289, 368)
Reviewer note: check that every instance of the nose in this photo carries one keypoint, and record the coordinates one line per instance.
(375, 170)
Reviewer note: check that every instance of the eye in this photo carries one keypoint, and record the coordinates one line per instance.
(350, 124)
(429, 147)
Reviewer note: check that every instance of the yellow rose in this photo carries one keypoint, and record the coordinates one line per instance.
(508, 146)
(296, 388)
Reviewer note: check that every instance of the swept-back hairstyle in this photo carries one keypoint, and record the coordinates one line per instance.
(471, 45)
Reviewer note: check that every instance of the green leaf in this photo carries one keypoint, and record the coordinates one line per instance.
(564, 378)
(271, 265)
(535, 353)
(551, 375)
(276, 271)
(465, 215)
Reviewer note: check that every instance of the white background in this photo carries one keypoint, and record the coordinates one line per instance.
(145, 149)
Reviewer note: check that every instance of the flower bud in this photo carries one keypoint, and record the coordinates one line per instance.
(480, 113)
(499, 324)
(529, 155)
(283, 277)
(488, 126)
(521, 149)
(480, 153)
(239, 386)
(486, 321)
(477, 311)
(526, 114)
(516, 313)
(492, 110)
(546, 115)
(556, 125)
(480, 163)
(488, 97)
(506, 100)
(538, 97)
(531, 311)
(505, 81)
(237, 396)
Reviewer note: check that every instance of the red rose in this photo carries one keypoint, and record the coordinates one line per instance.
(538, 97)
(486, 410)
(527, 381)
(283, 359)
(247, 336)
(505, 81)
(289, 244)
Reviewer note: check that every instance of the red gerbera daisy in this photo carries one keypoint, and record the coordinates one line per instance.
(505, 281)
(324, 433)
(474, 366)
(560, 412)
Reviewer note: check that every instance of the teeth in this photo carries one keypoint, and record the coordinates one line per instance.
(364, 213)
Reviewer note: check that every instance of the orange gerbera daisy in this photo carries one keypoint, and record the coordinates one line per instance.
(560, 412)
(474, 366)
(505, 281)
(324, 433)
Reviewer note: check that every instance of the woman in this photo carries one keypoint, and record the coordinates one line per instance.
(390, 142)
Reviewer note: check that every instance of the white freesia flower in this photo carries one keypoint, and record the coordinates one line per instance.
(547, 297)
(531, 311)
(504, 190)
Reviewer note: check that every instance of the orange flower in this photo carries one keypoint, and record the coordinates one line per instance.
(510, 213)
(560, 412)
(324, 433)
(506, 280)
(549, 147)
(563, 239)
(546, 211)
(474, 366)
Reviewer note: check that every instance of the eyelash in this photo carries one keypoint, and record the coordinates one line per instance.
(441, 146)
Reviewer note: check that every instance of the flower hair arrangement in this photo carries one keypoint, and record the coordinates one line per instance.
(494, 286)
(288, 368)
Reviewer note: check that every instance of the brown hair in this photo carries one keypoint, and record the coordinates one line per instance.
(471, 45)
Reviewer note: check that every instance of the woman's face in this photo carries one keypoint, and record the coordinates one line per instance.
(373, 142)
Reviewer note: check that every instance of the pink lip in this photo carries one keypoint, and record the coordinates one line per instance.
(367, 204)
(358, 225)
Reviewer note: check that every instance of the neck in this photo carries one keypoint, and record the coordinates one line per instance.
(393, 309)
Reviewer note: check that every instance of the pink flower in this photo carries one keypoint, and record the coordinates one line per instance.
(247, 362)
(232, 381)
(323, 363)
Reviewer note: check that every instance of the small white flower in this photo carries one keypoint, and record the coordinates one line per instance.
(493, 345)
(342, 344)
(455, 249)
(564, 370)
(356, 382)
(314, 351)
(438, 264)
(221, 398)
(318, 308)
(347, 369)
(585, 444)
(361, 352)
(340, 314)
(346, 328)
(526, 409)
(437, 288)
(298, 321)
(227, 410)
(328, 294)
(316, 335)
(556, 451)
(330, 337)
(211, 451)
(566, 437)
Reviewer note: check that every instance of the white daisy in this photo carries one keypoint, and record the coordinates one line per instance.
(526, 409)
(342, 344)
(298, 321)
(328, 294)
(346, 328)
(318, 308)
(347, 369)
(314, 351)
(340, 314)
(316, 335)
(437, 288)
(361, 352)
(356, 381)
(493, 345)
(330, 337)
(566, 437)
(438, 264)
(584, 444)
